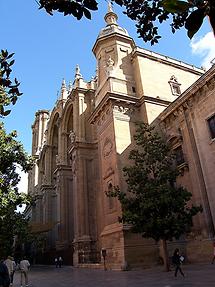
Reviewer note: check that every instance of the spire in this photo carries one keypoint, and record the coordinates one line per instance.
(63, 85)
(112, 26)
(64, 94)
(111, 17)
(110, 7)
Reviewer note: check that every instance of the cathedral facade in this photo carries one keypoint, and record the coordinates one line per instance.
(82, 145)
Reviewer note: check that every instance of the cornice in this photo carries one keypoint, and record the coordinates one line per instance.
(153, 100)
(112, 97)
(166, 60)
(44, 111)
(61, 167)
(83, 145)
(127, 39)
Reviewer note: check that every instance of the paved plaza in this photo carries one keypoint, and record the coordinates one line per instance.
(48, 276)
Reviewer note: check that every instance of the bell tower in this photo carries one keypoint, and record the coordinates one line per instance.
(113, 120)
(112, 50)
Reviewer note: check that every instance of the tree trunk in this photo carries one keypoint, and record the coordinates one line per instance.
(165, 255)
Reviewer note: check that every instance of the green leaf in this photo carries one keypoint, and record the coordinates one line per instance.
(1, 109)
(194, 22)
(6, 113)
(212, 18)
(119, 2)
(90, 4)
(11, 55)
(11, 62)
(87, 13)
(4, 53)
(174, 6)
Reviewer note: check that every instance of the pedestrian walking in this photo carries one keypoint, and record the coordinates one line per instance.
(60, 261)
(4, 275)
(212, 262)
(10, 267)
(177, 259)
(56, 262)
(14, 269)
(24, 266)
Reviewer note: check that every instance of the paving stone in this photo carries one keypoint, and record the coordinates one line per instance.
(48, 276)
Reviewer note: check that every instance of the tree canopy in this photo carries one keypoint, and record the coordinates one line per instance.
(12, 223)
(153, 204)
(147, 14)
(9, 89)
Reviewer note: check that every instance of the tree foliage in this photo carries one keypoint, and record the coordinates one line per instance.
(77, 8)
(157, 208)
(188, 14)
(146, 14)
(9, 89)
(153, 204)
(12, 223)
(14, 228)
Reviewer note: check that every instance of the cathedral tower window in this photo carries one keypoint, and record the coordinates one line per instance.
(211, 125)
(110, 189)
(133, 90)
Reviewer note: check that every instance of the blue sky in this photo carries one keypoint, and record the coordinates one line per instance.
(47, 50)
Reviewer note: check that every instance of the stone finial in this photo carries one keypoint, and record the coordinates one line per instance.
(111, 17)
(63, 85)
(77, 72)
(63, 95)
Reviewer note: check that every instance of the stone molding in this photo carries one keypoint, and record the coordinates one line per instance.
(112, 228)
(166, 60)
(191, 97)
(107, 147)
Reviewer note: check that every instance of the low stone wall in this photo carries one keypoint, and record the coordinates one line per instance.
(200, 250)
(91, 266)
(140, 252)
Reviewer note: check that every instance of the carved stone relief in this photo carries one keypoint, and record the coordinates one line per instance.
(110, 62)
(74, 163)
(109, 66)
(72, 136)
(44, 180)
(57, 159)
(123, 110)
(107, 147)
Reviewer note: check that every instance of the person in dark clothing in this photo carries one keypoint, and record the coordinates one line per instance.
(60, 261)
(176, 260)
(4, 275)
(56, 262)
